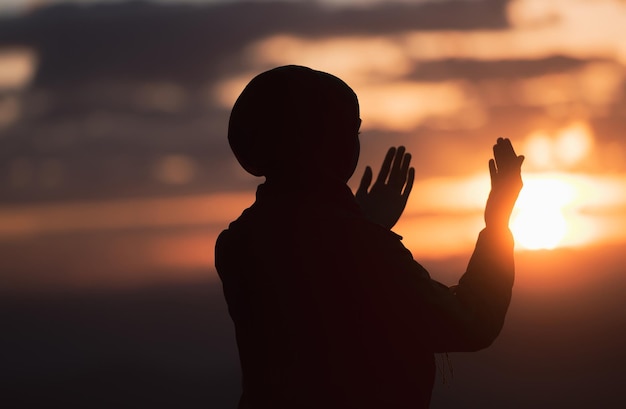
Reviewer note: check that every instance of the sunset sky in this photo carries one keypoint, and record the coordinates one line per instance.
(115, 171)
(522, 69)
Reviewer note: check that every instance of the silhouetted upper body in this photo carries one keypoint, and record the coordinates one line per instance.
(331, 310)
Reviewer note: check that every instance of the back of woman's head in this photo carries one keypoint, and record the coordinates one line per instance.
(293, 120)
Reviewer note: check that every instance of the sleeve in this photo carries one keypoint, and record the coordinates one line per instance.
(484, 291)
(466, 317)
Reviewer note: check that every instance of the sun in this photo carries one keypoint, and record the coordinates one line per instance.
(539, 221)
(540, 229)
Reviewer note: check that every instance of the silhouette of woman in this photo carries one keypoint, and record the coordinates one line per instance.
(330, 309)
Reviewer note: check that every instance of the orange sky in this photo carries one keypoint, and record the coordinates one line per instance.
(575, 187)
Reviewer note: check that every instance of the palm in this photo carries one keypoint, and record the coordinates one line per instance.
(386, 200)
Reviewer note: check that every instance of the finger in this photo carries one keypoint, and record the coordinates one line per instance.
(503, 154)
(395, 177)
(496, 149)
(496, 159)
(403, 172)
(506, 158)
(405, 165)
(508, 147)
(492, 171)
(384, 169)
(409, 184)
(366, 180)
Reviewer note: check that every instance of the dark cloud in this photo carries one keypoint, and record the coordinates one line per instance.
(475, 70)
(189, 43)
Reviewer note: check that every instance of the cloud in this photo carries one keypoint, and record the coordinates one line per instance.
(118, 89)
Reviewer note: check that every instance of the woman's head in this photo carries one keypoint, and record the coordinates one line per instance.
(293, 121)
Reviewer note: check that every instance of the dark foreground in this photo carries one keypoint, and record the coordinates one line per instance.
(161, 347)
(172, 346)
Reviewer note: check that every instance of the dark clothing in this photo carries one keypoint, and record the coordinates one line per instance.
(331, 310)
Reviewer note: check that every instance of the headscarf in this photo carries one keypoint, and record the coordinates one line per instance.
(295, 119)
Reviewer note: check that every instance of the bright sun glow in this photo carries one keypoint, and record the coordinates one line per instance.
(539, 222)
(555, 209)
